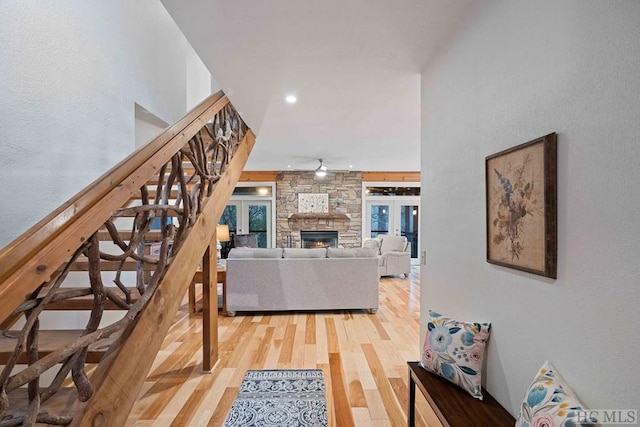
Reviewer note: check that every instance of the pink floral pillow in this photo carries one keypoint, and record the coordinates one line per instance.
(455, 350)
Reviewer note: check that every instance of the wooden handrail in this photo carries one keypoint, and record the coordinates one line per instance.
(32, 257)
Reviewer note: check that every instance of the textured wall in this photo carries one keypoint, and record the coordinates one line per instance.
(347, 186)
(70, 74)
(517, 71)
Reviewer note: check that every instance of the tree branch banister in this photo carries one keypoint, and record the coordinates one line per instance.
(109, 403)
(27, 261)
(192, 195)
(29, 242)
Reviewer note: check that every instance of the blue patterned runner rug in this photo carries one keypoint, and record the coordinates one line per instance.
(291, 398)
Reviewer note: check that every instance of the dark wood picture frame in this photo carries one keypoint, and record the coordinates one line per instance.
(521, 207)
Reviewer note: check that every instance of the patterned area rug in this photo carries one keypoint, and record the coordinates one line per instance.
(292, 398)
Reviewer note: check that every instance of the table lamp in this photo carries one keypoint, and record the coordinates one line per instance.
(222, 235)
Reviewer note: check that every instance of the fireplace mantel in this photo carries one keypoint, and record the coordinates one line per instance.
(318, 215)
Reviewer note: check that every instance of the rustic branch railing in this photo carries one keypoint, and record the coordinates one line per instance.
(190, 158)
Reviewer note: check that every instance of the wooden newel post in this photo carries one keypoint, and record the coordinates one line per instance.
(210, 306)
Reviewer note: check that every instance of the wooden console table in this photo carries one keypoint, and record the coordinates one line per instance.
(197, 278)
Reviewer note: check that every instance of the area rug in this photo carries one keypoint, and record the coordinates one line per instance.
(291, 398)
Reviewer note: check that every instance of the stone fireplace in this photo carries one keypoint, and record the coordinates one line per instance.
(344, 217)
(319, 238)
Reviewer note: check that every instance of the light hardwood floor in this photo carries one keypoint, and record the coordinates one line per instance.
(363, 357)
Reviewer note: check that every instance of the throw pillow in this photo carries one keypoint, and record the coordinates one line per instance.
(372, 243)
(455, 350)
(550, 402)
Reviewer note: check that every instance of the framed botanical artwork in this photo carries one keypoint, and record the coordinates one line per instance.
(521, 192)
(313, 203)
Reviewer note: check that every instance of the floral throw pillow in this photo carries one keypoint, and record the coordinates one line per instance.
(549, 402)
(372, 243)
(455, 350)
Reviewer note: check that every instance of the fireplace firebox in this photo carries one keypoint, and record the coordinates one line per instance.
(319, 238)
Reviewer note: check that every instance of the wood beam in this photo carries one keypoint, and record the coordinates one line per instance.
(391, 176)
(259, 176)
(210, 306)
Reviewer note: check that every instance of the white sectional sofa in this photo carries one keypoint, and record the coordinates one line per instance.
(301, 279)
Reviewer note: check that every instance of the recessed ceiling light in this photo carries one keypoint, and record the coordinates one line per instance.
(289, 166)
(350, 166)
(291, 99)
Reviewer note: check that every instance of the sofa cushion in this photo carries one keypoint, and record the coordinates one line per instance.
(305, 253)
(351, 253)
(455, 350)
(255, 253)
(392, 243)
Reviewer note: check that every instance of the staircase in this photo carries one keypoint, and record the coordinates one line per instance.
(124, 250)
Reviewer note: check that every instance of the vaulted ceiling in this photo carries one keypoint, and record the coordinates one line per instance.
(354, 66)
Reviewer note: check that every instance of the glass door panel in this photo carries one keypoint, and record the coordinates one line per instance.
(378, 219)
(246, 216)
(397, 217)
(230, 217)
(258, 220)
(409, 226)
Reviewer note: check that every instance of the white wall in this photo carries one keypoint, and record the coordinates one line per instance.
(147, 126)
(199, 80)
(70, 74)
(517, 71)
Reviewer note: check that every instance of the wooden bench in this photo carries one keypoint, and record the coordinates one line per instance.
(452, 405)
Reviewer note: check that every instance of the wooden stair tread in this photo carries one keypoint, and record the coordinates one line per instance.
(170, 213)
(151, 236)
(59, 404)
(49, 341)
(85, 302)
(82, 264)
(173, 194)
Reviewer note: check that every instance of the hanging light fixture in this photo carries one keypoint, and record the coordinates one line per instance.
(321, 171)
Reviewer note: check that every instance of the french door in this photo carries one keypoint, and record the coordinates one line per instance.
(249, 217)
(397, 216)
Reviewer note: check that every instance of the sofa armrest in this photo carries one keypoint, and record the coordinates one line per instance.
(390, 254)
(395, 262)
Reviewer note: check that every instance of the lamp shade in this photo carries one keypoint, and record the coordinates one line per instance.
(222, 232)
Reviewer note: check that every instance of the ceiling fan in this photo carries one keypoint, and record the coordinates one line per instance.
(319, 168)
(321, 171)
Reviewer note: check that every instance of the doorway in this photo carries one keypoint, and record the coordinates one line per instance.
(393, 210)
(249, 211)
